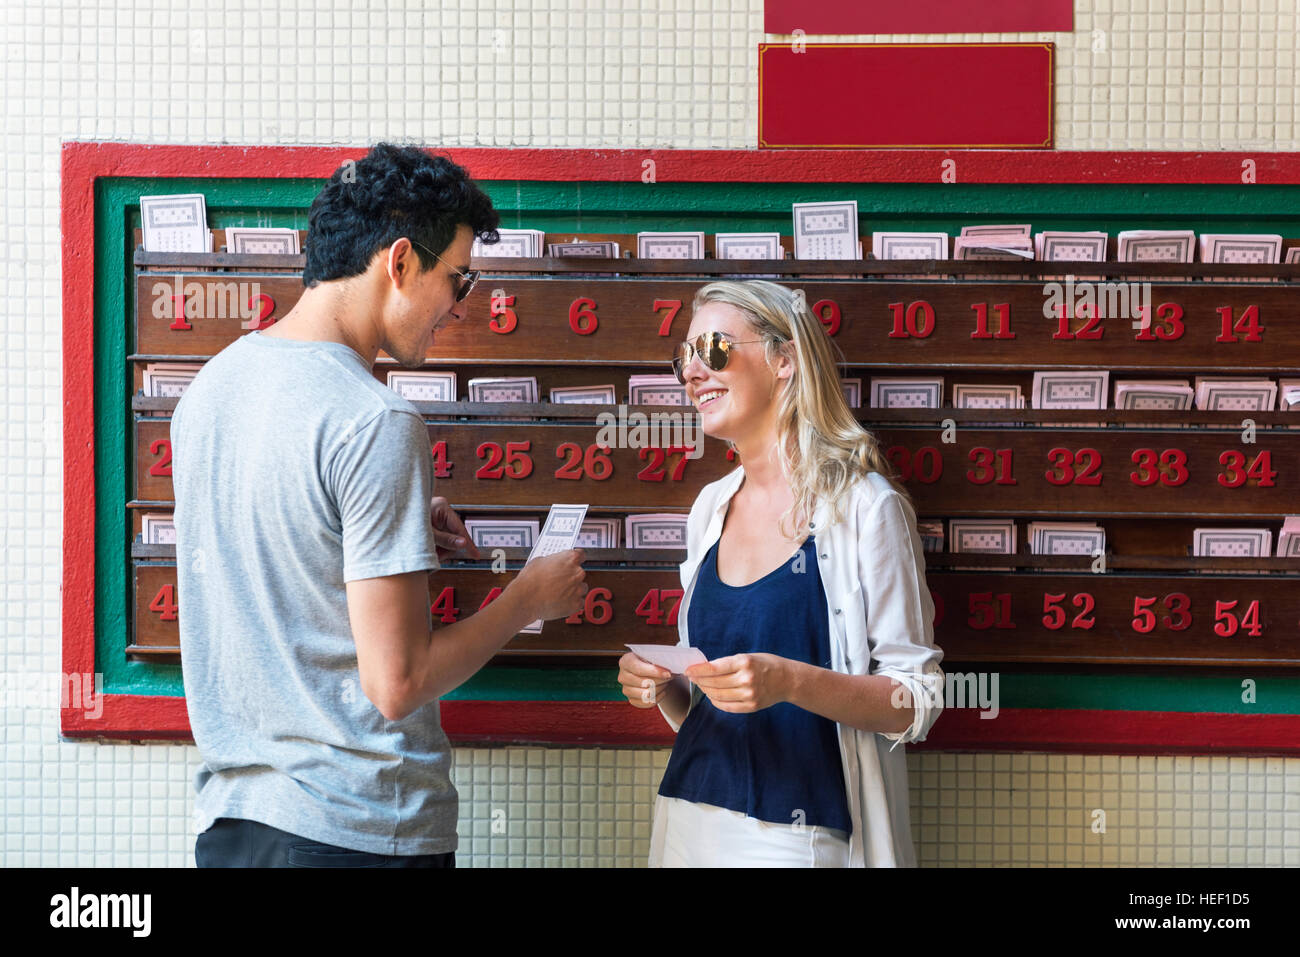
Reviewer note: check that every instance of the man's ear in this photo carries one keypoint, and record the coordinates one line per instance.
(399, 261)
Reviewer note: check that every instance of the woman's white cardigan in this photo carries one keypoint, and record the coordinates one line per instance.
(881, 618)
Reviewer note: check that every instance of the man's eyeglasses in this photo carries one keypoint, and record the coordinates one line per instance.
(713, 349)
(467, 279)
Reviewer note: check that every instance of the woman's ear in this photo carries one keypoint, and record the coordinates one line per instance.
(785, 361)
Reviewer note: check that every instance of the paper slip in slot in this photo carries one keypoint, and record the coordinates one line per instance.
(893, 393)
(1071, 390)
(931, 534)
(1293, 254)
(1010, 248)
(585, 395)
(852, 389)
(262, 239)
(419, 386)
(1066, 538)
(987, 397)
(656, 530)
(826, 230)
(504, 389)
(175, 224)
(168, 379)
(748, 246)
(684, 245)
(599, 533)
(1288, 543)
(1288, 394)
(502, 532)
(1057, 246)
(1021, 230)
(674, 658)
(563, 523)
(592, 250)
(888, 245)
(1145, 394)
(1232, 542)
(514, 243)
(656, 390)
(1240, 248)
(982, 537)
(1235, 395)
(1156, 245)
(157, 528)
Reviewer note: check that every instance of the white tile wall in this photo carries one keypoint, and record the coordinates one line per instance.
(1135, 74)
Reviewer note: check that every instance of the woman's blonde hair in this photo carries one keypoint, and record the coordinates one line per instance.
(823, 450)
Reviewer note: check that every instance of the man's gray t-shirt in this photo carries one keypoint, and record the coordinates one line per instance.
(296, 471)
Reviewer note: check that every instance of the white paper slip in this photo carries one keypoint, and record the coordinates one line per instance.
(684, 245)
(655, 390)
(1156, 245)
(656, 530)
(1021, 229)
(420, 386)
(1066, 538)
(1144, 394)
(992, 248)
(247, 240)
(748, 246)
(1059, 246)
(502, 532)
(584, 395)
(1288, 394)
(1232, 542)
(591, 250)
(563, 523)
(1293, 254)
(503, 389)
(852, 389)
(176, 223)
(168, 379)
(1288, 543)
(982, 537)
(674, 658)
(931, 533)
(1070, 390)
(826, 230)
(1235, 395)
(512, 244)
(966, 396)
(599, 533)
(888, 245)
(157, 528)
(898, 393)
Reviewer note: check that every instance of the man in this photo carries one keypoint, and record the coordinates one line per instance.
(306, 527)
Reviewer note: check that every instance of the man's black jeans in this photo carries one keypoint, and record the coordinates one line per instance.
(231, 842)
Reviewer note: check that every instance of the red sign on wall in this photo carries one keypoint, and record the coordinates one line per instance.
(901, 95)
(843, 17)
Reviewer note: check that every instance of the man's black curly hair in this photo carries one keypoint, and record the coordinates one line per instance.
(391, 192)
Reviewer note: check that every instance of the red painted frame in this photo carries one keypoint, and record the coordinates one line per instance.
(603, 723)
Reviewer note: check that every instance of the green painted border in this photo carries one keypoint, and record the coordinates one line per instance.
(628, 208)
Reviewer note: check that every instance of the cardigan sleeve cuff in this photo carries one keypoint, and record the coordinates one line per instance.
(926, 694)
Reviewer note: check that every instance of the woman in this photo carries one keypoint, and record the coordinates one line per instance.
(805, 590)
